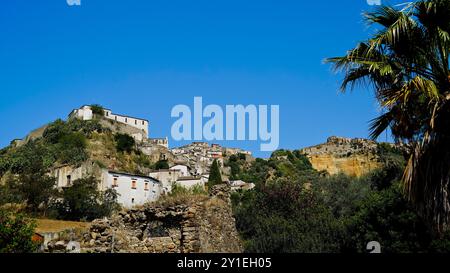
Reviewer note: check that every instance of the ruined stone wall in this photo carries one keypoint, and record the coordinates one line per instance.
(205, 225)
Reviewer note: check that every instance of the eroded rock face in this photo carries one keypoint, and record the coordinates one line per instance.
(354, 157)
(203, 226)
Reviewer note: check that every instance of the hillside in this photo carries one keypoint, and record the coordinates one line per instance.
(354, 157)
(90, 145)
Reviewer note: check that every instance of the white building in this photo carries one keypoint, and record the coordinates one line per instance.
(167, 178)
(85, 113)
(184, 169)
(133, 190)
(164, 142)
(191, 181)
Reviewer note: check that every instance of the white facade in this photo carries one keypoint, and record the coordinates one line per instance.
(191, 181)
(133, 190)
(184, 170)
(167, 178)
(164, 142)
(85, 113)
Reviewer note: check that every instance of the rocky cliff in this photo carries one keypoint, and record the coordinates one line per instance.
(353, 157)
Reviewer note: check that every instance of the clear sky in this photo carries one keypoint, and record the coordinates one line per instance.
(141, 57)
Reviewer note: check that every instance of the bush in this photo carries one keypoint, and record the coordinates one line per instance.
(285, 218)
(178, 190)
(124, 143)
(298, 210)
(83, 201)
(16, 232)
(161, 165)
(97, 109)
(35, 189)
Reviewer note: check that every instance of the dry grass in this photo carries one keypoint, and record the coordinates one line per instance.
(48, 225)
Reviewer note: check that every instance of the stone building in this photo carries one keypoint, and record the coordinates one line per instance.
(167, 178)
(133, 190)
(85, 113)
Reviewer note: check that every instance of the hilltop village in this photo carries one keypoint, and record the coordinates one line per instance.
(188, 166)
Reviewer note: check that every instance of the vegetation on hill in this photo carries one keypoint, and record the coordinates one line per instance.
(297, 209)
(124, 143)
(16, 233)
(25, 169)
(83, 201)
(161, 165)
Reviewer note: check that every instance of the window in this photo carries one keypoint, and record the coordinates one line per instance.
(133, 184)
(126, 119)
(135, 122)
(143, 122)
(69, 180)
(115, 182)
(115, 118)
(146, 186)
(132, 200)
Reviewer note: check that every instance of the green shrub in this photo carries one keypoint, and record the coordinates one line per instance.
(161, 165)
(16, 232)
(35, 189)
(97, 109)
(178, 190)
(83, 201)
(124, 143)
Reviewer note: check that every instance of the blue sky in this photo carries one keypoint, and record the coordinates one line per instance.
(141, 58)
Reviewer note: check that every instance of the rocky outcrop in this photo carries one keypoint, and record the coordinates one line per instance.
(354, 157)
(204, 225)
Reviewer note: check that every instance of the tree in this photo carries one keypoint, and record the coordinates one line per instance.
(406, 62)
(16, 232)
(215, 177)
(124, 143)
(161, 165)
(97, 109)
(36, 189)
(83, 201)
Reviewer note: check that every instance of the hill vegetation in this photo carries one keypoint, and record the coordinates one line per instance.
(295, 209)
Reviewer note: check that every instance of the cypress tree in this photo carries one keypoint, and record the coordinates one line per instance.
(214, 175)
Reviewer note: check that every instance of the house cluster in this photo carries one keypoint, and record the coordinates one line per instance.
(190, 170)
(200, 155)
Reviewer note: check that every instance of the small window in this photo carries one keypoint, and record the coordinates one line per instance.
(115, 118)
(115, 182)
(133, 184)
(146, 186)
(126, 119)
(135, 122)
(143, 122)
(132, 200)
(69, 180)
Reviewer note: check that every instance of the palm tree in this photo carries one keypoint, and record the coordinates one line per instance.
(406, 63)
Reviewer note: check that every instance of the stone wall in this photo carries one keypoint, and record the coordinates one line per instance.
(204, 225)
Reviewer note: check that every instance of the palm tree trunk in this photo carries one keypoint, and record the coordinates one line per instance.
(427, 181)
